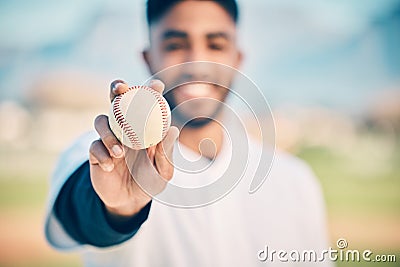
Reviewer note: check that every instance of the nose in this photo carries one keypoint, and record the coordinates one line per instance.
(197, 53)
(196, 71)
(198, 66)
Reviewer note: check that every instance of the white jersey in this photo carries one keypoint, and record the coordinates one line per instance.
(286, 213)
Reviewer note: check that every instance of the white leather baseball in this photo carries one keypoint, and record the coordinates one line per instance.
(140, 117)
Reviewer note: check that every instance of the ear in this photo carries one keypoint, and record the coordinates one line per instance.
(239, 59)
(147, 59)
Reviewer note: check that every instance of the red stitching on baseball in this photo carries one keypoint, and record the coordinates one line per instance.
(119, 117)
(163, 106)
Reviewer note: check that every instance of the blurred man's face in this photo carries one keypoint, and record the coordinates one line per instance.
(194, 31)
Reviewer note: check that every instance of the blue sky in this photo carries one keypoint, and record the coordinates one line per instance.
(334, 53)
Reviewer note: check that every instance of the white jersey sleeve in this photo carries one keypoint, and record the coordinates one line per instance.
(69, 161)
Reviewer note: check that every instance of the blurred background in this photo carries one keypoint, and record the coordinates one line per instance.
(329, 69)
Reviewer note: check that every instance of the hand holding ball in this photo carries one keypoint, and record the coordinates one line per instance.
(140, 118)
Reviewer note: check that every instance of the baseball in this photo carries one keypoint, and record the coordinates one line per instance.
(140, 118)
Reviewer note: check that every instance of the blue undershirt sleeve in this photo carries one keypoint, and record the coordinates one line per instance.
(83, 215)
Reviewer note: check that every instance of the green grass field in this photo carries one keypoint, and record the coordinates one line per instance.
(363, 203)
(362, 193)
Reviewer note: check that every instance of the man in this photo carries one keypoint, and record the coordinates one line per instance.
(97, 206)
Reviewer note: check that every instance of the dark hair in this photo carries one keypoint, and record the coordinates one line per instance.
(156, 9)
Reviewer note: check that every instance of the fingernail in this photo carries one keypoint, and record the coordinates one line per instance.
(153, 82)
(117, 150)
(109, 167)
(116, 85)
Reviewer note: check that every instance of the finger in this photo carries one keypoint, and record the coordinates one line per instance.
(163, 153)
(98, 155)
(157, 85)
(117, 87)
(107, 136)
(170, 138)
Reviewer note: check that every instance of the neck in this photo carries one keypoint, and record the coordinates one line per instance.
(192, 137)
